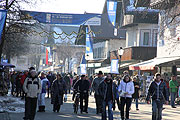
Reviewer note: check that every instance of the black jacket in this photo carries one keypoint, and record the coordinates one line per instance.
(82, 85)
(163, 91)
(136, 92)
(103, 90)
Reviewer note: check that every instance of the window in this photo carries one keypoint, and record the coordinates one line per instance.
(145, 38)
(155, 36)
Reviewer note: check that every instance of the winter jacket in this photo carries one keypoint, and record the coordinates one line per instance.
(173, 86)
(23, 79)
(32, 86)
(44, 83)
(96, 83)
(102, 89)
(58, 89)
(163, 91)
(82, 85)
(136, 92)
(126, 87)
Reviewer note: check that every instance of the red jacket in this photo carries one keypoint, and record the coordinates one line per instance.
(23, 79)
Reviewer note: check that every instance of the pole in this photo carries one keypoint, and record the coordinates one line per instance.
(87, 68)
(119, 64)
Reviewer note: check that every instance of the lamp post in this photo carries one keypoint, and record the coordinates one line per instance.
(120, 52)
(87, 58)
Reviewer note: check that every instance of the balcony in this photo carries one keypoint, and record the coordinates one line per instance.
(135, 53)
(141, 3)
(162, 4)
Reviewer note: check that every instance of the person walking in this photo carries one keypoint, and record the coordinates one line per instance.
(76, 78)
(159, 93)
(31, 86)
(41, 96)
(116, 100)
(82, 86)
(95, 86)
(24, 76)
(135, 96)
(126, 89)
(173, 85)
(13, 82)
(51, 77)
(107, 91)
(58, 89)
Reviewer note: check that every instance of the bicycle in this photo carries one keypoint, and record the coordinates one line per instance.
(76, 102)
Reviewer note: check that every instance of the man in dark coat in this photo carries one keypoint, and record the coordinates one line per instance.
(159, 94)
(58, 89)
(82, 86)
(95, 86)
(107, 91)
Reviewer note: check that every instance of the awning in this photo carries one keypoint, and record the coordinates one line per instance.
(3, 64)
(151, 64)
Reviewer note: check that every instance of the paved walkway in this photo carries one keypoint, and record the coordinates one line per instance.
(66, 112)
(4, 116)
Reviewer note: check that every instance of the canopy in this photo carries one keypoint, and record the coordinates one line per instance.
(3, 64)
(151, 64)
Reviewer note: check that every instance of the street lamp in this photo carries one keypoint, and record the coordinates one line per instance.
(87, 58)
(120, 52)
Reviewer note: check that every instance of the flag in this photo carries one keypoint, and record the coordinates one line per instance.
(83, 66)
(89, 45)
(111, 9)
(114, 66)
(3, 14)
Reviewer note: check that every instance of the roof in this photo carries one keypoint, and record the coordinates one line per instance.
(105, 30)
(3, 64)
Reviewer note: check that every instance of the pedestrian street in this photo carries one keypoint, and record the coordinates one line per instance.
(66, 112)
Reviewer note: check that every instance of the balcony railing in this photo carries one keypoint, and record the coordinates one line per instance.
(135, 53)
(162, 4)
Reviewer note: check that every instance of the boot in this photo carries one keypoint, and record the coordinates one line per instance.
(43, 108)
(40, 109)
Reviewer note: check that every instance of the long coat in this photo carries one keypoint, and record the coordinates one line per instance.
(136, 92)
(58, 90)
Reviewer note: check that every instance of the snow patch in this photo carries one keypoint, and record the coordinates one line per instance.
(11, 104)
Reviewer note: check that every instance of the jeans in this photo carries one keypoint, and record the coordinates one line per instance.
(41, 99)
(110, 112)
(173, 97)
(126, 101)
(136, 103)
(157, 106)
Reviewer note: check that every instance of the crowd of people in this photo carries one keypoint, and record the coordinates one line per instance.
(109, 91)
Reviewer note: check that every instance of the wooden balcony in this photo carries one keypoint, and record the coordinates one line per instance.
(141, 3)
(155, 4)
(162, 4)
(135, 53)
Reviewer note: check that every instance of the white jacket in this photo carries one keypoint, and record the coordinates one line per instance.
(32, 87)
(126, 87)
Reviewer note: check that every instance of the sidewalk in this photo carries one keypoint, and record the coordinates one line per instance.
(4, 116)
